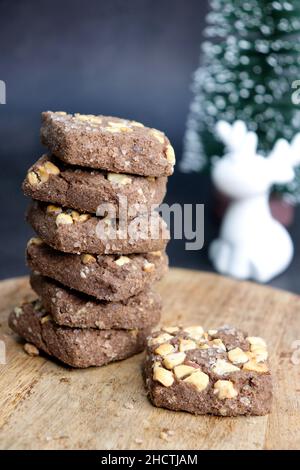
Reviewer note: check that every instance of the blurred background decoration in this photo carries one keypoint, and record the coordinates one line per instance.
(250, 63)
(252, 244)
(131, 59)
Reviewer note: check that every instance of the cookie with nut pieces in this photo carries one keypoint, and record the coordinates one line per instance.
(77, 347)
(77, 310)
(106, 277)
(221, 371)
(51, 181)
(109, 143)
(70, 231)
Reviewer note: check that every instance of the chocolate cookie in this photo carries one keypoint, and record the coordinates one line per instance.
(49, 180)
(74, 232)
(106, 277)
(222, 372)
(70, 308)
(73, 346)
(108, 143)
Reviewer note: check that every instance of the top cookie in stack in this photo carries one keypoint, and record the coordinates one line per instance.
(109, 266)
(108, 143)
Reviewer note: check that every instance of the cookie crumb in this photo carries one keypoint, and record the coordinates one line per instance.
(138, 441)
(166, 434)
(31, 350)
(64, 380)
(129, 406)
(146, 424)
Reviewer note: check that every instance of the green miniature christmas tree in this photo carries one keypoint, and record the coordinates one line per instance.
(250, 67)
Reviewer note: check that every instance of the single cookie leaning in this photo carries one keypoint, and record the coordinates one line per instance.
(221, 372)
(74, 232)
(106, 277)
(74, 346)
(108, 143)
(70, 308)
(49, 180)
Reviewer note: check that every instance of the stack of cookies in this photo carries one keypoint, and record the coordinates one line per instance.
(101, 244)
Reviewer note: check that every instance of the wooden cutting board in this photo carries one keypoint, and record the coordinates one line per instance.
(44, 405)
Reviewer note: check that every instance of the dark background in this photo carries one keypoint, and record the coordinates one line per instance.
(130, 58)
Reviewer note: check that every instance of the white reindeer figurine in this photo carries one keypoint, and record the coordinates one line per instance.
(252, 244)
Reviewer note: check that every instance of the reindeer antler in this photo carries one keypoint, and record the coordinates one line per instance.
(232, 135)
(289, 154)
(236, 137)
(281, 149)
(295, 150)
(283, 158)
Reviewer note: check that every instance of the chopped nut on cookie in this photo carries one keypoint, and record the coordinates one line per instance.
(148, 267)
(225, 389)
(187, 344)
(237, 356)
(222, 367)
(195, 332)
(161, 338)
(164, 349)
(122, 260)
(170, 329)
(33, 178)
(183, 371)
(51, 209)
(174, 359)
(199, 379)
(64, 219)
(88, 259)
(165, 377)
(118, 178)
(170, 154)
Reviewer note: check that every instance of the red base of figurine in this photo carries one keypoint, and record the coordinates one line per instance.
(282, 211)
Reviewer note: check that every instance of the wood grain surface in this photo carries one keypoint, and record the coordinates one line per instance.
(44, 405)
